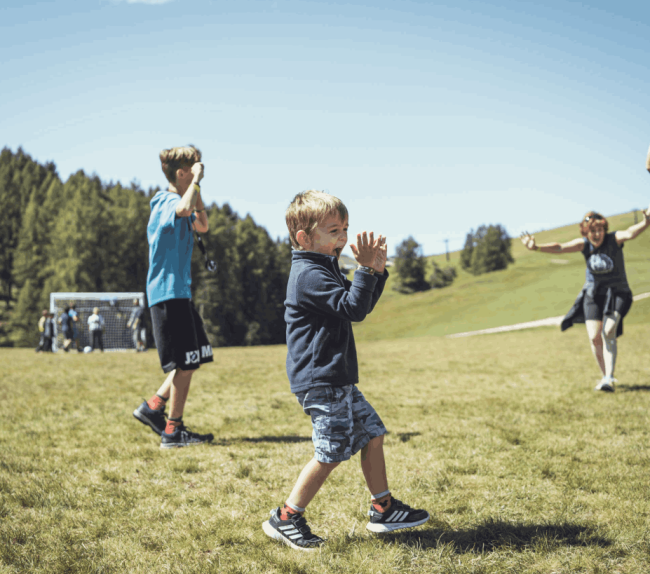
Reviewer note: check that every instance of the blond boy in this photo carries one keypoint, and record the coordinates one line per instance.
(177, 327)
(322, 364)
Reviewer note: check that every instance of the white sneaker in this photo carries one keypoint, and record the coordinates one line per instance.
(606, 384)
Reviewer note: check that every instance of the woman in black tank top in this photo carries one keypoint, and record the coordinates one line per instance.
(606, 296)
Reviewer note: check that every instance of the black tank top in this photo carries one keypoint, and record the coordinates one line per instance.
(605, 264)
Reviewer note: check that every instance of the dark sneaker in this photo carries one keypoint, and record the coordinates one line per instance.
(398, 516)
(148, 416)
(295, 531)
(183, 436)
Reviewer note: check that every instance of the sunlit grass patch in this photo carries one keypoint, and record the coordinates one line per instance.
(523, 467)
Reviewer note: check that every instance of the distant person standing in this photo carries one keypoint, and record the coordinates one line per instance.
(182, 343)
(136, 325)
(41, 330)
(75, 329)
(66, 328)
(96, 327)
(48, 333)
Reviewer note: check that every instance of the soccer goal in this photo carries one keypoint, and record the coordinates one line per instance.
(115, 308)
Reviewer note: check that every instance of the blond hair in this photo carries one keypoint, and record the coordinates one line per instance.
(310, 208)
(177, 157)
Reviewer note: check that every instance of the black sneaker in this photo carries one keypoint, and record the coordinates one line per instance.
(295, 531)
(183, 436)
(398, 516)
(148, 416)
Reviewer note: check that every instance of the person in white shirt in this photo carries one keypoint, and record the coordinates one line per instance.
(96, 327)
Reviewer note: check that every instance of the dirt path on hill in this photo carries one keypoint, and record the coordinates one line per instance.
(550, 322)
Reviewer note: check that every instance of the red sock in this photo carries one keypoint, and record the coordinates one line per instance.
(157, 403)
(285, 511)
(171, 426)
(382, 504)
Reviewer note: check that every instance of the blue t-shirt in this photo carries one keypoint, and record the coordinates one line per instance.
(65, 321)
(170, 250)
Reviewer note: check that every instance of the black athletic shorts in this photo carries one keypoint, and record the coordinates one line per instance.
(179, 334)
(603, 304)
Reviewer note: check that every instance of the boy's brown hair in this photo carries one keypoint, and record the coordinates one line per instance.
(177, 157)
(310, 208)
(592, 219)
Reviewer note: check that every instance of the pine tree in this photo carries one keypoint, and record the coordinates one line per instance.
(410, 267)
(466, 253)
(81, 234)
(125, 258)
(491, 250)
(20, 176)
(24, 319)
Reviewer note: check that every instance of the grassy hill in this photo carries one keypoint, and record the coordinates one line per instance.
(536, 286)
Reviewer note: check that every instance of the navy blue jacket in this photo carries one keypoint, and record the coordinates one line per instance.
(320, 307)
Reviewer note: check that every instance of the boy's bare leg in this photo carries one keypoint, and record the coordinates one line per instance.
(180, 387)
(165, 388)
(373, 465)
(595, 339)
(312, 477)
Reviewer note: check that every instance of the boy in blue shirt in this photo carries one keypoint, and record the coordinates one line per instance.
(322, 365)
(177, 327)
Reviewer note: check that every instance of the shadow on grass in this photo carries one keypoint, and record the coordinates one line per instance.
(497, 534)
(406, 436)
(236, 440)
(632, 388)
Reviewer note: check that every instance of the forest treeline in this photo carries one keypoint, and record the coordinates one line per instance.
(84, 235)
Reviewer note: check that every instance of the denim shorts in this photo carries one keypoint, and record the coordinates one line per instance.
(343, 421)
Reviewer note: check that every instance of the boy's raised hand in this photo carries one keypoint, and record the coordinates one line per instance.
(367, 250)
(382, 255)
(197, 171)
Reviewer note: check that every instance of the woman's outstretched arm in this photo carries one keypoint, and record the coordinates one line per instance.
(634, 230)
(572, 246)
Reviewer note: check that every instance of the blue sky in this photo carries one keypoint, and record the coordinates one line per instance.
(425, 118)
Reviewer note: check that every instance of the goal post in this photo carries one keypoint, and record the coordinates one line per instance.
(114, 308)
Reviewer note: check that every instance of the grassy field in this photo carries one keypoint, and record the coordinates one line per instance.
(522, 466)
(536, 286)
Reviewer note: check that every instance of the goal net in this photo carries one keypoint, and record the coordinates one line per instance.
(115, 308)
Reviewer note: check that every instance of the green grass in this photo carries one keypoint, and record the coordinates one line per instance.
(522, 466)
(536, 286)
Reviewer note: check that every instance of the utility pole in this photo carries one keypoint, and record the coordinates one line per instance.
(447, 244)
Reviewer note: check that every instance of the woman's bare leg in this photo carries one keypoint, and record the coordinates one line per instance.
(610, 349)
(594, 329)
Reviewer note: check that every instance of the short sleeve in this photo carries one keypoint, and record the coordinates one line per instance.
(168, 210)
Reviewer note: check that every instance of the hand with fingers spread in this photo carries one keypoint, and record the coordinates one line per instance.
(366, 249)
(529, 241)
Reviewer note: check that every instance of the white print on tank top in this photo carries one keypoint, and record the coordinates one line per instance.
(600, 263)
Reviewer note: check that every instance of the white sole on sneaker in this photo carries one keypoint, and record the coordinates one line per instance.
(180, 445)
(379, 528)
(273, 533)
